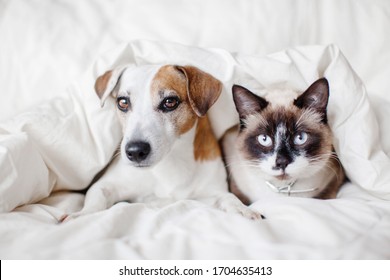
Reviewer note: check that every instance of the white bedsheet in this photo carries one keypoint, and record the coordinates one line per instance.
(64, 143)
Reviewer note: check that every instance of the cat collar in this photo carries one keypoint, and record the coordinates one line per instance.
(287, 189)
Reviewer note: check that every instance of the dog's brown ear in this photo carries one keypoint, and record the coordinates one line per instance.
(102, 82)
(106, 83)
(203, 89)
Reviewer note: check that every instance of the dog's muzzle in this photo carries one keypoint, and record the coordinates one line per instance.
(137, 151)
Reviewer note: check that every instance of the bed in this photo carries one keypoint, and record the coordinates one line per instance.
(55, 137)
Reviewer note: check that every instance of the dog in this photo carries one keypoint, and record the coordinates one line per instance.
(168, 151)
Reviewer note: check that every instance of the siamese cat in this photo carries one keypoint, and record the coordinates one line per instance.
(283, 145)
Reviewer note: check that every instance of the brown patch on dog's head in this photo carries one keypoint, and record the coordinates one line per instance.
(203, 89)
(196, 91)
(169, 82)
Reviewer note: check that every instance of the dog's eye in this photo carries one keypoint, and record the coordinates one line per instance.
(169, 104)
(123, 103)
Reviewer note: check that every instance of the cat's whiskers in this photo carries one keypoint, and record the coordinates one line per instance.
(322, 157)
(245, 164)
(327, 157)
(231, 162)
(242, 164)
(333, 170)
(319, 160)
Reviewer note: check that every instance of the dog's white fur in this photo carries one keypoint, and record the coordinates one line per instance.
(171, 172)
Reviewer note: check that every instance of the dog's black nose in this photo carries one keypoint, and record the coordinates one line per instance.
(137, 151)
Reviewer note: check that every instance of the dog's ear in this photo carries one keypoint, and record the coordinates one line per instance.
(203, 89)
(106, 83)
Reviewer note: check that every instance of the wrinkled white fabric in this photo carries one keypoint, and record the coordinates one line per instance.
(73, 144)
(62, 143)
(45, 46)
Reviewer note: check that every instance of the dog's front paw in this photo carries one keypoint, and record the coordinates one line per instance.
(249, 213)
(243, 210)
(231, 204)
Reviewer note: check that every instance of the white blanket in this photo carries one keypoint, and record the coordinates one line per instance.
(62, 144)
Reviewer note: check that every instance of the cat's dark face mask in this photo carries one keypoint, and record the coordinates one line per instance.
(284, 141)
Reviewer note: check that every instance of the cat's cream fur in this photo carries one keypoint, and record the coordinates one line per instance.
(254, 175)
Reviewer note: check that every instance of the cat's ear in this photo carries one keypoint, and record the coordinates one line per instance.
(315, 97)
(247, 103)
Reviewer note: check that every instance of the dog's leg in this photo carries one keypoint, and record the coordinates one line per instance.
(114, 186)
(229, 203)
(99, 197)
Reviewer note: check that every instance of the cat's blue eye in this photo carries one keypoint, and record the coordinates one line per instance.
(300, 138)
(264, 140)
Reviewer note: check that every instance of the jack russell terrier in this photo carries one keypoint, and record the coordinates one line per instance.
(168, 151)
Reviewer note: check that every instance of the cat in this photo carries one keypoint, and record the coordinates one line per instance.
(283, 145)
